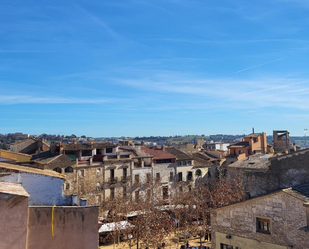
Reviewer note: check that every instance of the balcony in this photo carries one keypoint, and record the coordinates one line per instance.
(125, 179)
(113, 180)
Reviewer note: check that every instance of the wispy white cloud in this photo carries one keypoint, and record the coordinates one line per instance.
(31, 99)
(230, 93)
(100, 23)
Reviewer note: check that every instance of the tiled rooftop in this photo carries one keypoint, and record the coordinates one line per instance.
(178, 153)
(157, 153)
(87, 146)
(239, 144)
(12, 189)
(6, 166)
(256, 161)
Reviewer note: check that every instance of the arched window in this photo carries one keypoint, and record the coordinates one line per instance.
(57, 170)
(68, 169)
(198, 172)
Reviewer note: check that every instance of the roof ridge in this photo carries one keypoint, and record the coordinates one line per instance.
(54, 158)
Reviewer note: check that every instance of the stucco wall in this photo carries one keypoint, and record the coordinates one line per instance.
(74, 227)
(43, 190)
(285, 212)
(13, 222)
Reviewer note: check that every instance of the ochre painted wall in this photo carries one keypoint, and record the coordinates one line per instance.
(15, 156)
(244, 243)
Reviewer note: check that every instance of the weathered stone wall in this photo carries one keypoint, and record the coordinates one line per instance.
(164, 170)
(286, 213)
(285, 171)
(90, 183)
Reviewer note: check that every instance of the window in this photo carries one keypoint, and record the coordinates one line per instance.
(137, 196)
(179, 163)
(165, 193)
(86, 152)
(67, 186)
(180, 176)
(171, 176)
(225, 246)
(263, 225)
(190, 176)
(112, 174)
(81, 173)
(124, 172)
(148, 177)
(184, 163)
(109, 150)
(57, 170)
(209, 174)
(255, 139)
(189, 188)
(68, 169)
(124, 192)
(158, 177)
(189, 162)
(158, 161)
(198, 172)
(148, 195)
(112, 196)
(136, 178)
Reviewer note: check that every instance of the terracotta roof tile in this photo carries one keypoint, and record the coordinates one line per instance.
(157, 153)
(178, 153)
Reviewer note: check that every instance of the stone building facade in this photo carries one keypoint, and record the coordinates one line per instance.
(273, 221)
(263, 174)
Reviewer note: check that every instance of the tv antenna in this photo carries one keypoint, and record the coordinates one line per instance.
(305, 131)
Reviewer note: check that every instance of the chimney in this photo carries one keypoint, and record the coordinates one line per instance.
(253, 130)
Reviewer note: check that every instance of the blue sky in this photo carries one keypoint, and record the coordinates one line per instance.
(154, 67)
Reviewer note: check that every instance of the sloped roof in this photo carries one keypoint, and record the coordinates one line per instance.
(300, 192)
(20, 168)
(240, 144)
(178, 153)
(87, 146)
(128, 148)
(201, 160)
(23, 141)
(12, 189)
(254, 162)
(254, 135)
(158, 153)
(58, 160)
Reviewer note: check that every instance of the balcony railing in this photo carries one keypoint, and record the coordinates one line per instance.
(125, 178)
(113, 180)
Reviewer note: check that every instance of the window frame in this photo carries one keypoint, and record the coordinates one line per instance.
(260, 225)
